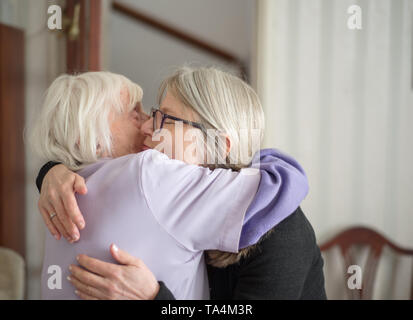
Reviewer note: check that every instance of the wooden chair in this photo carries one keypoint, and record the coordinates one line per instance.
(375, 242)
(12, 275)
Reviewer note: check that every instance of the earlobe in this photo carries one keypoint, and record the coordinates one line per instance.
(224, 138)
(228, 144)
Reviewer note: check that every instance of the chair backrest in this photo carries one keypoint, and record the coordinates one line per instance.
(362, 236)
(12, 275)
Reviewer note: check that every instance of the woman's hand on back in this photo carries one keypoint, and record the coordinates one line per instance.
(57, 203)
(131, 279)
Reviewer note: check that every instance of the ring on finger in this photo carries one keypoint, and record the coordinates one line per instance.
(52, 215)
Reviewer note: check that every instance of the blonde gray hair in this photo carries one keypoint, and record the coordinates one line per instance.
(224, 103)
(73, 125)
(227, 104)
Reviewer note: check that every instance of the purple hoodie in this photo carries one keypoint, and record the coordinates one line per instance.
(282, 187)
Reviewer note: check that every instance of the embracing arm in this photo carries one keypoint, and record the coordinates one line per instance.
(282, 187)
(57, 186)
(238, 207)
(185, 198)
(174, 191)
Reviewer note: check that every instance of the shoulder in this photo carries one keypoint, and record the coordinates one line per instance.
(295, 229)
(155, 162)
(135, 161)
(291, 240)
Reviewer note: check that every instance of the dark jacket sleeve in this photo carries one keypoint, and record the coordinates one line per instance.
(164, 293)
(287, 265)
(42, 173)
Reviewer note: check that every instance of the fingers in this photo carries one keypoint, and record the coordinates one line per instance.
(56, 222)
(85, 288)
(61, 229)
(84, 296)
(58, 193)
(70, 228)
(70, 203)
(80, 185)
(87, 277)
(122, 256)
(96, 266)
(49, 224)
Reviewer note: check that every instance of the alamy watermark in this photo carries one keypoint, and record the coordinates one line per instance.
(355, 280)
(54, 281)
(211, 148)
(354, 21)
(54, 20)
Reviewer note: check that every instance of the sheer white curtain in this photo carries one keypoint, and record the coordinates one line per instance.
(341, 102)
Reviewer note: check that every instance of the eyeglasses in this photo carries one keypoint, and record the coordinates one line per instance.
(159, 118)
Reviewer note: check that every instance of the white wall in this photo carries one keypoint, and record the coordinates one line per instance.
(340, 101)
(146, 56)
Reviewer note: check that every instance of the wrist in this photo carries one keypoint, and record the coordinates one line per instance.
(42, 173)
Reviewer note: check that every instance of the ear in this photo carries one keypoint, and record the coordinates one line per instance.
(227, 143)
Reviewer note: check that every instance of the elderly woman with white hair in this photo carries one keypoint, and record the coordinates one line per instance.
(162, 211)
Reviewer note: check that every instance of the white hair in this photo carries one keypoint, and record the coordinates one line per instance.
(73, 126)
(224, 103)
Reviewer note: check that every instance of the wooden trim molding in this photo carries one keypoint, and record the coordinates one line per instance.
(95, 35)
(83, 53)
(178, 34)
(12, 169)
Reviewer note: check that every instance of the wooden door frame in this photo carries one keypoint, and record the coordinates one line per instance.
(84, 52)
(95, 35)
(12, 167)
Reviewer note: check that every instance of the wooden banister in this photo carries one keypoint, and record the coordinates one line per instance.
(178, 34)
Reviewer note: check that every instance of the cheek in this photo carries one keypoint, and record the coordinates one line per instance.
(163, 141)
(134, 132)
(167, 139)
(125, 132)
(115, 130)
(184, 145)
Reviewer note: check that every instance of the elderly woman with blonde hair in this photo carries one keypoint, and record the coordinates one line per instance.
(164, 188)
